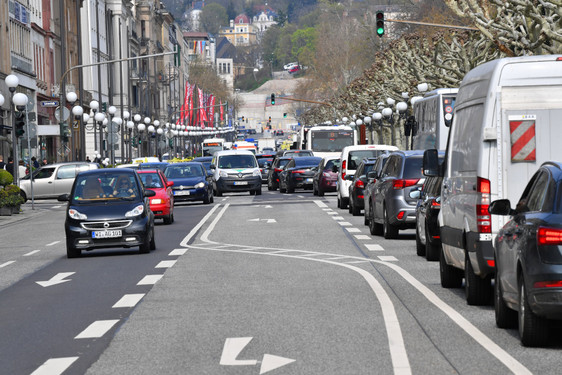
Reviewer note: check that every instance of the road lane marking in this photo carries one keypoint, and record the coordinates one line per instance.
(232, 347)
(56, 206)
(187, 238)
(52, 243)
(320, 204)
(374, 247)
(128, 300)
(332, 213)
(387, 258)
(59, 278)
(55, 366)
(362, 237)
(7, 263)
(326, 209)
(337, 217)
(31, 253)
(177, 252)
(344, 223)
(150, 280)
(166, 264)
(353, 230)
(97, 329)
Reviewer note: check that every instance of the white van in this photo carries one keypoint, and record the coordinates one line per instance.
(235, 171)
(506, 124)
(351, 157)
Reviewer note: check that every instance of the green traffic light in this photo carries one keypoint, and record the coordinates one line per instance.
(380, 31)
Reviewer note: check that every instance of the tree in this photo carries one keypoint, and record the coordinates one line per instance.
(303, 45)
(212, 17)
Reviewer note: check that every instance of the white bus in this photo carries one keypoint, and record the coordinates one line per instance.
(327, 140)
(212, 145)
(431, 112)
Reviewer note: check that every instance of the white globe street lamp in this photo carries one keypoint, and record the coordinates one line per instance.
(94, 105)
(20, 100)
(137, 117)
(112, 110)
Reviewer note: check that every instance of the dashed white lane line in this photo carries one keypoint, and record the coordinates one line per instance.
(31, 253)
(128, 300)
(337, 217)
(97, 329)
(166, 264)
(387, 258)
(7, 263)
(374, 247)
(320, 204)
(344, 223)
(150, 280)
(353, 230)
(332, 213)
(326, 209)
(55, 366)
(362, 237)
(177, 252)
(52, 243)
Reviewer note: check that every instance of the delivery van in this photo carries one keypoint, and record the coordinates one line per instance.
(506, 123)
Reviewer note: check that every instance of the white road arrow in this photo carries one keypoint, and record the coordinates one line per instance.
(268, 221)
(57, 279)
(233, 346)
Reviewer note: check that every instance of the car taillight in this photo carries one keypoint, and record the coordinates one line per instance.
(548, 284)
(359, 184)
(298, 171)
(278, 170)
(343, 170)
(483, 217)
(400, 215)
(435, 204)
(404, 183)
(549, 236)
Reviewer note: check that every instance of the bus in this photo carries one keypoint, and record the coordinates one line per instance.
(433, 114)
(326, 140)
(212, 145)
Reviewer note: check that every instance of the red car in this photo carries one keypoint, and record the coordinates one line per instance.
(162, 204)
(294, 69)
(326, 177)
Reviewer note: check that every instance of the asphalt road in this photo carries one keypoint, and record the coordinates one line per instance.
(277, 283)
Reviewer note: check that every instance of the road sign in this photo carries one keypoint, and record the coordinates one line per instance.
(113, 138)
(50, 103)
(113, 127)
(65, 112)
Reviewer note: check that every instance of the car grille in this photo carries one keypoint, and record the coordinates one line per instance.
(183, 187)
(240, 175)
(101, 225)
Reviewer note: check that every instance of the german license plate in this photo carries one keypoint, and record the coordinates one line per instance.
(309, 180)
(106, 234)
(184, 192)
(240, 182)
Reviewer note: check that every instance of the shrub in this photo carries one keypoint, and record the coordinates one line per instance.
(14, 197)
(5, 178)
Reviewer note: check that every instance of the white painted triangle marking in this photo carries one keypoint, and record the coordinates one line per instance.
(57, 279)
(232, 347)
(271, 362)
(269, 221)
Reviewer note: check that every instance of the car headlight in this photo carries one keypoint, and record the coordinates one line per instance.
(156, 201)
(200, 185)
(256, 173)
(76, 215)
(135, 211)
(223, 174)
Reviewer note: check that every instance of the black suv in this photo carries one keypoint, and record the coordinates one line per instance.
(392, 208)
(357, 187)
(273, 174)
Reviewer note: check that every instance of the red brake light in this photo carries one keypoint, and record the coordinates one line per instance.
(298, 171)
(278, 170)
(548, 284)
(483, 217)
(483, 185)
(549, 236)
(359, 184)
(343, 164)
(400, 215)
(401, 184)
(435, 204)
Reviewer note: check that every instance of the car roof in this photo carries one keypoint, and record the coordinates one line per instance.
(148, 171)
(185, 163)
(108, 170)
(203, 158)
(233, 152)
(67, 163)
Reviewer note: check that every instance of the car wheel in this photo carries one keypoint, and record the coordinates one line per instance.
(420, 247)
(339, 202)
(207, 198)
(152, 241)
(350, 206)
(320, 191)
(252, 192)
(71, 251)
(451, 277)
(505, 317)
(212, 198)
(314, 190)
(390, 231)
(374, 227)
(290, 189)
(144, 248)
(168, 219)
(258, 192)
(218, 193)
(431, 250)
(282, 190)
(365, 219)
(23, 195)
(478, 290)
(533, 329)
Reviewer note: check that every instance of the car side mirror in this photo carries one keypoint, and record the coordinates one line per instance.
(372, 175)
(415, 193)
(431, 163)
(149, 193)
(349, 177)
(213, 166)
(63, 198)
(170, 183)
(501, 207)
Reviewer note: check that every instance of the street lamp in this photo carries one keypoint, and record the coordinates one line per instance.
(140, 127)
(12, 81)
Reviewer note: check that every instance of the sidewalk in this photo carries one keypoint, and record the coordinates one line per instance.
(26, 213)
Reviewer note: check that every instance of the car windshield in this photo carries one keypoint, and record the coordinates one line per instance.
(237, 161)
(184, 171)
(151, 180)
(106, 186)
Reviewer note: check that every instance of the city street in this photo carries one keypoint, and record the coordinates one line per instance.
(277, 283)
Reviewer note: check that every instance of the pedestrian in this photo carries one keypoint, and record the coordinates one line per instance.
(88, 159)
(2, 164)
(22, 170)
(44, 161)
(10, 165)
(34, 162)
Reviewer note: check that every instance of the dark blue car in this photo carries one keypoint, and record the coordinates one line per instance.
(206, 160)
(191, 182)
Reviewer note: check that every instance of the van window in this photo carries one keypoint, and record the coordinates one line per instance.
(355, 157)
(466, 139)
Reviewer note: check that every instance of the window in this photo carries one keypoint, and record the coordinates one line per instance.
(66, 171)
(537, 193)
(413, 167)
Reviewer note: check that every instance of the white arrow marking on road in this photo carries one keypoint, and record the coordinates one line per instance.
(271, 362)
(268, 221)
(232, 347)
(57, 279)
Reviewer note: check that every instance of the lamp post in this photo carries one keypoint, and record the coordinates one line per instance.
(124, 153)
(377, 118)
(137, 118)
(95, 105)
(146, 123)
(12, 81)
(387, 113)
(140, 127)
(99, 117)
(20, 101)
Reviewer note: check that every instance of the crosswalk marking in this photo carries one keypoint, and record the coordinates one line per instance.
(353, 230)
(166, 264)
(362, 237)
(177, 252)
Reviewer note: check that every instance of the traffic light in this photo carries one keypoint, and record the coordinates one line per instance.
(269, 118)
(104, 106)
(380, 23)
(177, 56)
(285, 115)
(272, 99)
(20, 123)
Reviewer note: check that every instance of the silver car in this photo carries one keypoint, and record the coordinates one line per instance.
(52, 180)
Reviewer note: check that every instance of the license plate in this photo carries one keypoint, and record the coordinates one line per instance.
(240, 182)
(185, 192)
(106, 234)
(309, 180)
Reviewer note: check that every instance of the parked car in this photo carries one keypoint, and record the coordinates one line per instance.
(392, 207)
(206, 161)
(264, 161)
(350, 158)
(52, 180)
(326, 176)
(162, 204)
(108, 208)
(298, 174)
(290, 65)
(295, 69)
(357, 186)
(279, 133)
(428, 236)
(235, 171)
(154, 165)
(368, 195)
(276, 167)
(528, 286)
(191, 182)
